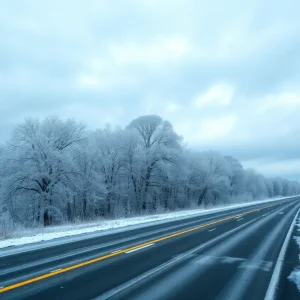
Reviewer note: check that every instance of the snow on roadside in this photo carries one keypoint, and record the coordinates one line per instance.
(295, 275)
(50, 233)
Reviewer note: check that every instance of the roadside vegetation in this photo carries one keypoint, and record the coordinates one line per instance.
(55, 171)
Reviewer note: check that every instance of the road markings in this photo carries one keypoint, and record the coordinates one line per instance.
(137, 249)
(95, 260)
(212, 229)
(175, 259)
(55, 271)
(116, 251)
(240, 219)
(273, 285)
(240, 215)
(264, 215)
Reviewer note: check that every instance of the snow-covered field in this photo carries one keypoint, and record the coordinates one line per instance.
(24, 237)
(295, 276)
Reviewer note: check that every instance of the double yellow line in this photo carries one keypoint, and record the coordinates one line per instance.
(88, 262)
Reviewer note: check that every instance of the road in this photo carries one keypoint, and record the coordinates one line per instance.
(243, 253)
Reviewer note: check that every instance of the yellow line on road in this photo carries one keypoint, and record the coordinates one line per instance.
(64, 270)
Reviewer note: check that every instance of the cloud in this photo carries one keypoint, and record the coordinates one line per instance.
(283, 168)
(157, 52)
(172, 107)
(89, 81)
(284, 100)
(220, 127)
(219, 94)
(207, 131)
(114, 68)
(226, 77)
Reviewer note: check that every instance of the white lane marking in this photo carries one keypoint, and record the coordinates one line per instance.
(238, 216)
(237, 286)
(273, 285)
(212, 229)
(130, 283)
(55, 270)
(116, 251)
(139, 248)
(264, 215)
(240, 219)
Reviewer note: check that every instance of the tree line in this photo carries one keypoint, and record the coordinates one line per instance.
(56, 170)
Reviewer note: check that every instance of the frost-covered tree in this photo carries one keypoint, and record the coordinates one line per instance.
(37, 166)
(53, 170)
(112, 146)
(158, 147)
(214, 183)
(86, 187)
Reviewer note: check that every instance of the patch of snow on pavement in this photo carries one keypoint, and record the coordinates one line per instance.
(295, 275)
(49, 233)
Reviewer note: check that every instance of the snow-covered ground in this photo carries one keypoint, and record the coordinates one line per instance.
(74, 230)
(295, 276)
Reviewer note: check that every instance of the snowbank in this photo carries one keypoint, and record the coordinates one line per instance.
(295, 275)
(24, 237)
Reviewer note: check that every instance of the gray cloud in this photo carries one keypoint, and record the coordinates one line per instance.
(110, 61)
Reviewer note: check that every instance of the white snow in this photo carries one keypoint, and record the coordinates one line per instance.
(98, 228)
(295, 275)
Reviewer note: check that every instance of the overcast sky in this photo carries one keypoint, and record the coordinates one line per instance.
(225, 73)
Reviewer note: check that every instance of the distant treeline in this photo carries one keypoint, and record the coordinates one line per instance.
(55, 171)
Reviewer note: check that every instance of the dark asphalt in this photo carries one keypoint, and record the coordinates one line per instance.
(232, 259)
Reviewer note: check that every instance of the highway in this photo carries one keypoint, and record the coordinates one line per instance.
(242, 253)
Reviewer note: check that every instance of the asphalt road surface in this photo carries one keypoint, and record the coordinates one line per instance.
(244, 253)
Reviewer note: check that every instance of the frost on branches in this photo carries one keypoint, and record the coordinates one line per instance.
(55, 171)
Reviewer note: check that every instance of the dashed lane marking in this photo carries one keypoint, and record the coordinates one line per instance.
(55, 271)
(116, 251)
(140, 248)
